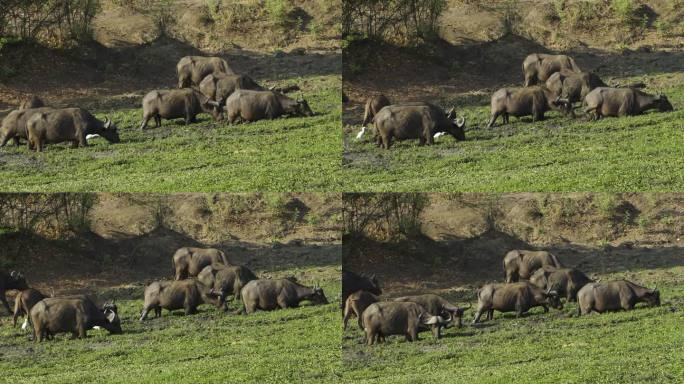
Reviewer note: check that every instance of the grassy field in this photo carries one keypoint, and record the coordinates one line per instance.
(645, 345)
(641, 153)
(293, 154)
(295, 345)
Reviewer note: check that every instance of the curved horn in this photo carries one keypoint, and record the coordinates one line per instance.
(451, 317)
(461, 124)
(108, 123)
(13, 274)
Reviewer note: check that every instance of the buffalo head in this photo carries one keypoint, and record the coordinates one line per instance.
(302, 107)
(436, 323)
(553, 299)
(113, 324)
(17, 281)
(110, 131)
(653, 298)
(664, 104)
(318, 297)
(458, 128)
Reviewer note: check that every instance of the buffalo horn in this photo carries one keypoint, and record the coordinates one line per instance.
(108, 123)
(13, 274)
(460, 124)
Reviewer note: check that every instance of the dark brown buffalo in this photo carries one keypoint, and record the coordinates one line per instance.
(171, 295)
(268, 295)
(566, 281)
(534, 101)
(619, 102)
(23, 303)
(437, 306)
(189, 261)
(192, 70)
(518, 297)
(32, 101)
(222, 281)
(420, 121)
(614, 296)
(219, 86)
(14, 125)
(74, 314)
(387, 318)
(373, 105)
(248, 105)
(521, 264)
(68, 124)
(538, 67)
(573, 87)
(11, 281)
(355, 304)
(352, 282)
(175, 104)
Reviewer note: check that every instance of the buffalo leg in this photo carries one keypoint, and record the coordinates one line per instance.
(143, 315)
(490, 314)
(157, 121)
(492, 120)
(505, 117)
(347, 316)
(546, 309)
(146, 119)
(477, 315)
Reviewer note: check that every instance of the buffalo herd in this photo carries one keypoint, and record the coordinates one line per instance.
(205, 85)
(552, 82)
(532, 279)
(201, 276)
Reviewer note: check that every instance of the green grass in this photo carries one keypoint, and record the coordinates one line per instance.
(645, 345)
(641, 153)
(289, 154)
(294, 345)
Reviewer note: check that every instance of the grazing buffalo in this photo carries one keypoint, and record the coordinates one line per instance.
(399, 318)
(620, 102)
(566, 281)
(68, 124)
(175, 104)
(192, 70)
(614, 296)
(538, 67)
(352, 282)
(222, 281)
(14, 125)
(355, 304)
(518, 297)
(11, 281)
(74, 314)
(437, 306)
(32, 101)
(248, 105)
(573, 87)
(171, 295)
(267, 295)
(416, 121)
(373, 106)
(534, 101)
(218, 86)
(23, 303)
(189, 261)
(520, 264)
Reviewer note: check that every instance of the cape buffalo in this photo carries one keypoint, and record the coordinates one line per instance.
(437, 306)
(9, 281)
(192, 69)
(566, 281)
(373, 106)
(573, 87)
(68, 124)
(352, 282)
(518, 297)
(604, 101)
(225, 280)
(519, 102)
(520, 264)
(355, 304)
(398, 318)
(189, 261)
(14, 125)
(32, 101)
(171, 295)
(174, 104)
(416, 121)
(23, 303)
(74, 314)
(614, 296)
(248, 105)
(267, 295)
(538, 67)
(218, 86)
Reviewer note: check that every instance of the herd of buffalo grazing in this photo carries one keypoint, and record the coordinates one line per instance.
(205, 85)
(552, 82)
(201, 275)
(532, 279)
